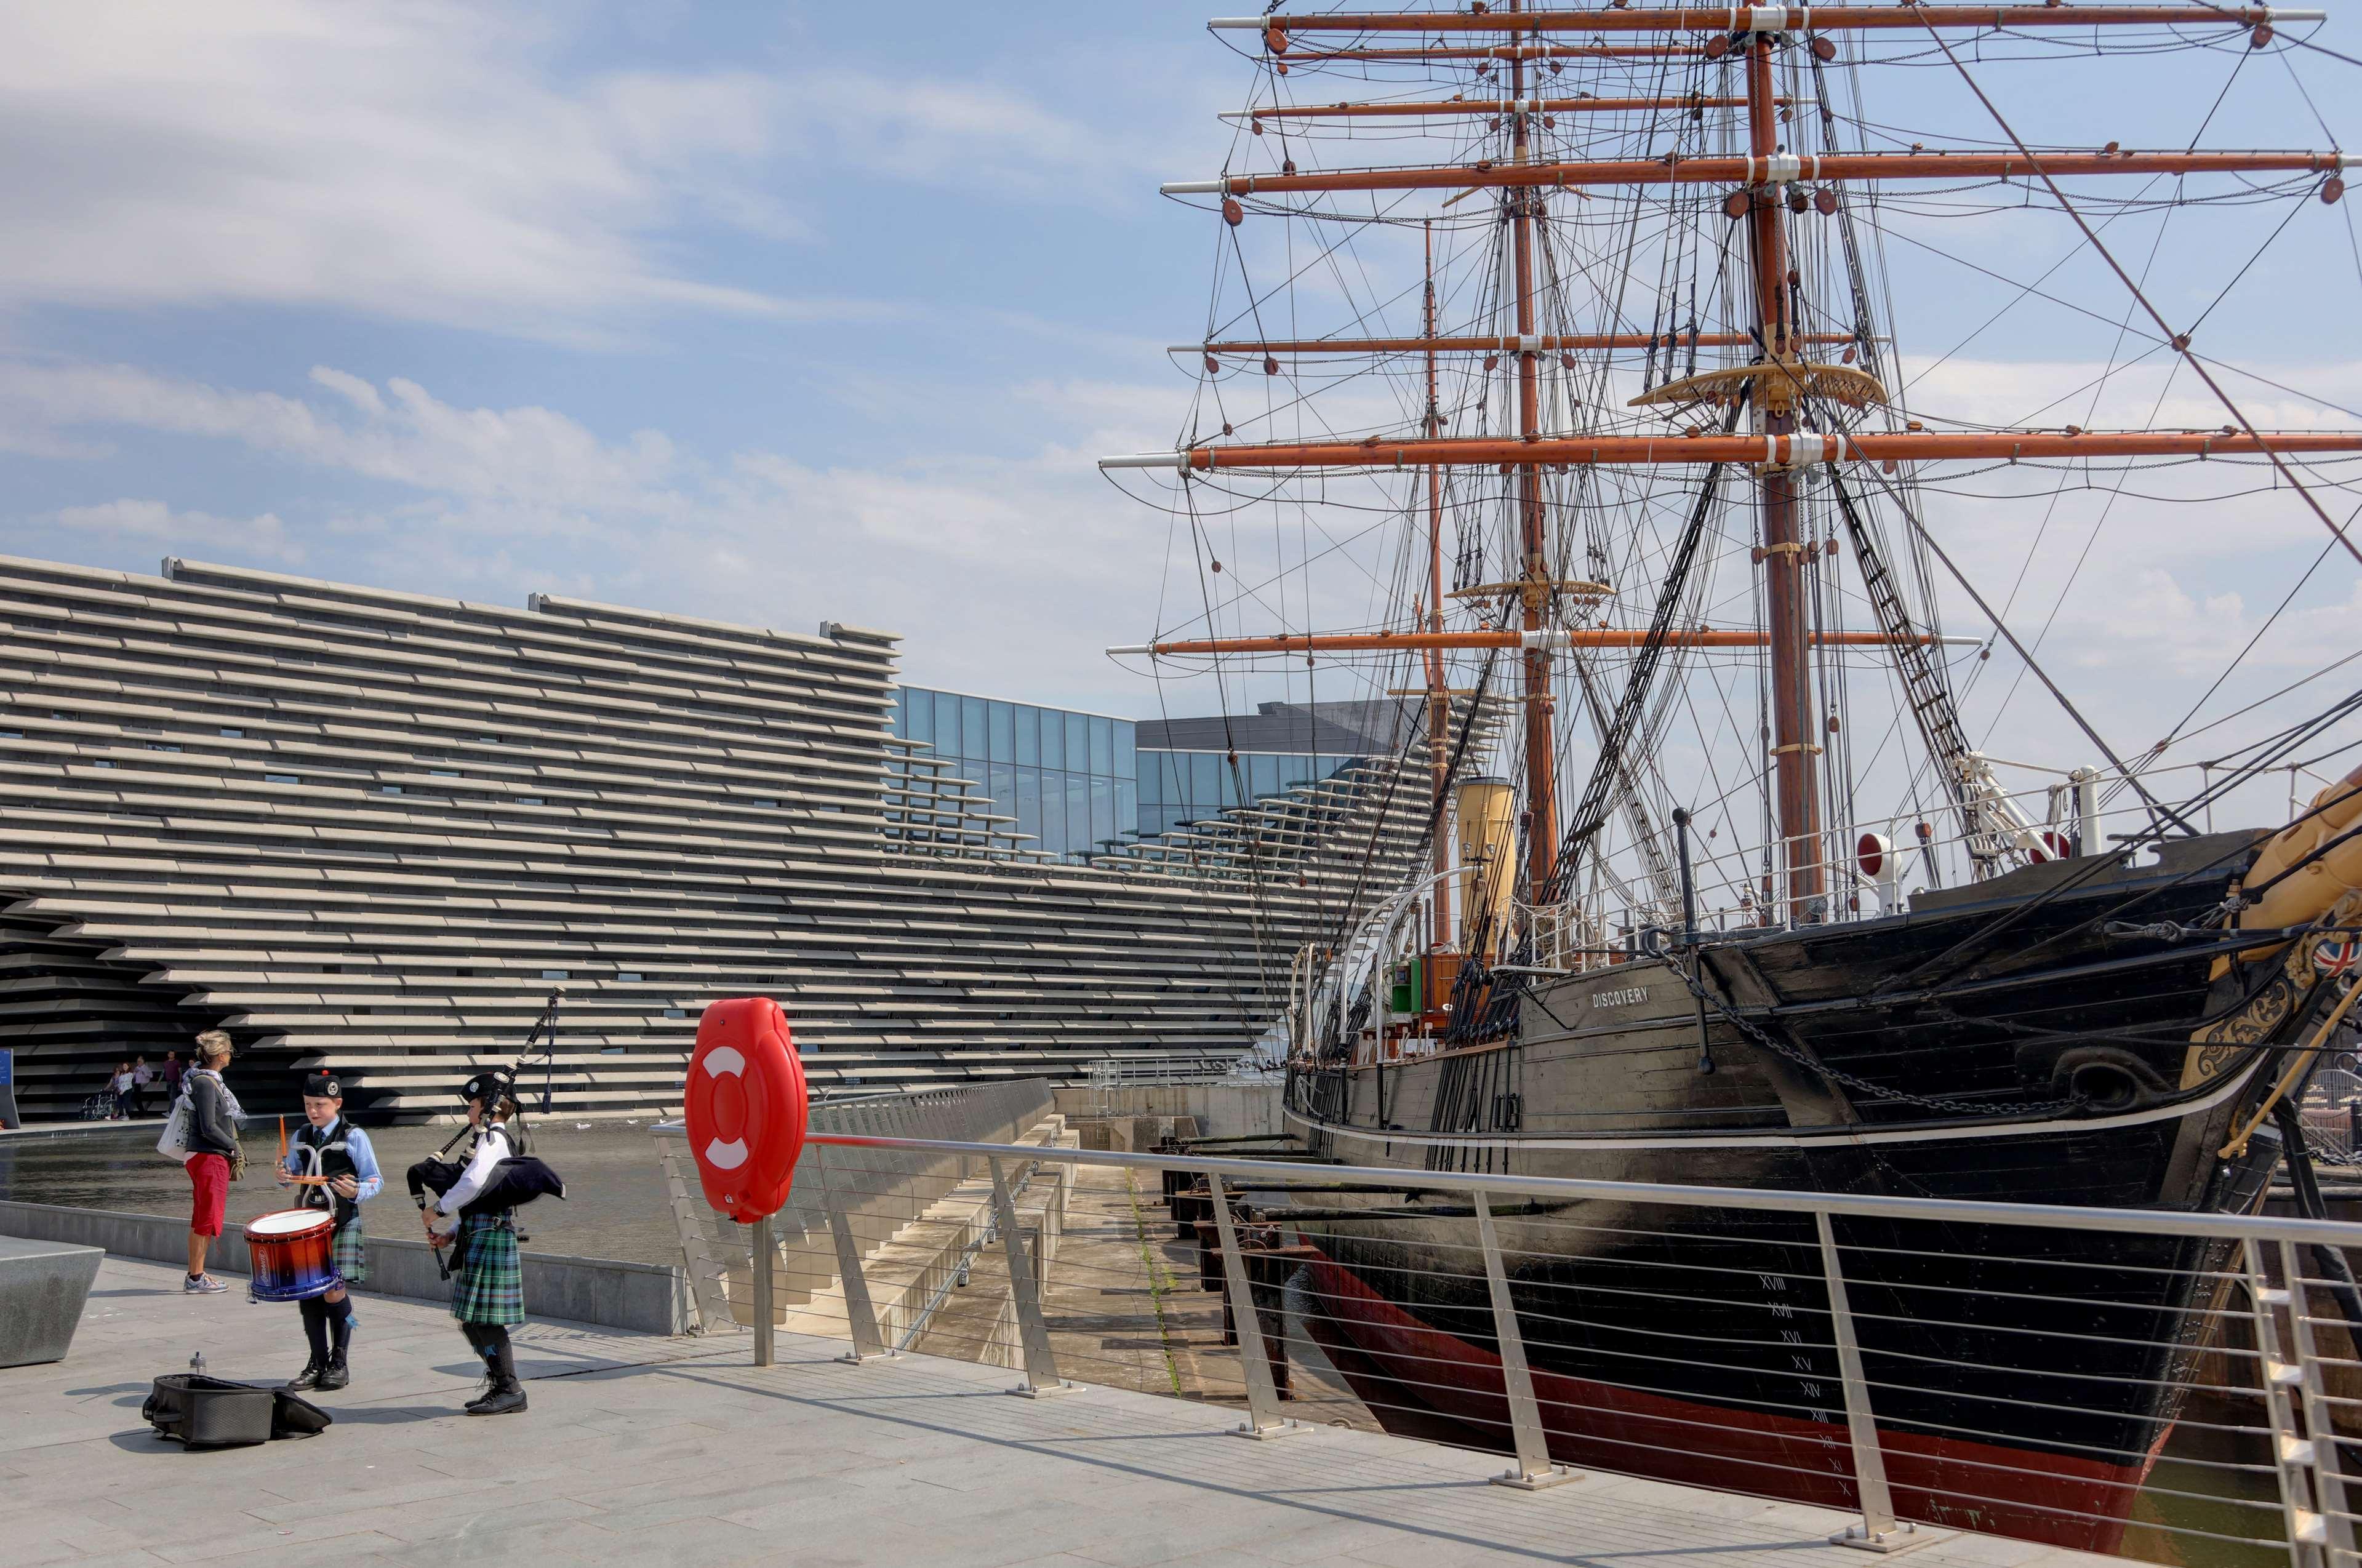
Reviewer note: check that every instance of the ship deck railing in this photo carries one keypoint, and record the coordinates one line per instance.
(2181, 1387)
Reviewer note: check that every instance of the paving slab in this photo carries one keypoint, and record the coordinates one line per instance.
(644, 1450)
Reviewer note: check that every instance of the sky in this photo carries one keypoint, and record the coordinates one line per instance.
(784, 312)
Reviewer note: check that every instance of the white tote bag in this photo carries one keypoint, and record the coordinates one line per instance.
(175, 1145)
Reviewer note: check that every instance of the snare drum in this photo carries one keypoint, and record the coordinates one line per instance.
(290, 1252)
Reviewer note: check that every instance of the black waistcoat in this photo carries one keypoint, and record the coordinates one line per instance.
(334, 1161)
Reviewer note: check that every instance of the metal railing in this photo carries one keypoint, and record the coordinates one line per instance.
(2172, 1387)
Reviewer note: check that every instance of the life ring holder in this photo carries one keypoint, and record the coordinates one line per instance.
(747, 1107)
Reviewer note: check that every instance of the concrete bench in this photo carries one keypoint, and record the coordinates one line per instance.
(42, 1287)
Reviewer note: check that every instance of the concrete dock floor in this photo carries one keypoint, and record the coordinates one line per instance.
(654, 1451)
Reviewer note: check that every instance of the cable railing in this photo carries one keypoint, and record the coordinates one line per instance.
(2178, 1388)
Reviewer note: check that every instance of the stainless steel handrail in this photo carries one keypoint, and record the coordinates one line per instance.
(2049, 1216)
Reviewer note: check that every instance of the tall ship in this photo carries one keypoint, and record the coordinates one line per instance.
(1551, 379)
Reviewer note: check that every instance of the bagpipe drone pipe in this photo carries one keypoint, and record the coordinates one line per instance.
(521, 1177)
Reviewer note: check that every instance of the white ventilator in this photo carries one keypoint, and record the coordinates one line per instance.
(721, 1156)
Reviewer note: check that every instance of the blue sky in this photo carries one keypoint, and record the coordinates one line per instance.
(785, 313)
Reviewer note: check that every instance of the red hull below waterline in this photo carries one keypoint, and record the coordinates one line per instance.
(1960, 1483)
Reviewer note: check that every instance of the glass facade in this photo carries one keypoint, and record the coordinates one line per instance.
(1080, 784)
(1177, 787)
(1069, 779)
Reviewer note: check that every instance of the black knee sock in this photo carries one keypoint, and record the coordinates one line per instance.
(315, 1327)
(340, 1326)
(503, 1357)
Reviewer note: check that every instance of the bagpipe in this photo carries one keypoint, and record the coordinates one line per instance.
(516, 1180)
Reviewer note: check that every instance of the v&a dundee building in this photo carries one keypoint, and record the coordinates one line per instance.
(373, 832)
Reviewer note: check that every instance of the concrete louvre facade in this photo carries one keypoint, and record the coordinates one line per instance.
(373, 830)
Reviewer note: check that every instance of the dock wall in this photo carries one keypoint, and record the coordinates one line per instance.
(1222, 1110)
(649, 1297)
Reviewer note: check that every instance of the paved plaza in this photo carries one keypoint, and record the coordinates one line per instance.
(644, 1450)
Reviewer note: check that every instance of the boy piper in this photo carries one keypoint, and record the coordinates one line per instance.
(337, 1157)
(487, 1275)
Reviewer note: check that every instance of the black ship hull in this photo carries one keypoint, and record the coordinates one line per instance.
(2023, 1379)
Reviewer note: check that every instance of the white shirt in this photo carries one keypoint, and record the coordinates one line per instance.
(492, 1148)
(122, 1082)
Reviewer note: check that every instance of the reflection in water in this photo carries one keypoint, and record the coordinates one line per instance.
(614, 1207)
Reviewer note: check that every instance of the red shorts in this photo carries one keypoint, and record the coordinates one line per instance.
(209, 1180)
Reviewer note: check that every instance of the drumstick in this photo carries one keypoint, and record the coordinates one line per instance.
(282, 1140)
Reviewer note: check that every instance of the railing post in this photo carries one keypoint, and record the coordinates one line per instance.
(1879, 1531)
(1534, 1469)
(860, 1316)
(764, 1255)
(1264, 1420)
(2321, 1436)
(707, 1293)
(2292, 1457)
(1041, 1377)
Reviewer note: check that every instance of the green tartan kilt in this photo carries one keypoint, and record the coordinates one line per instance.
(488, 1282)
(348, 1254)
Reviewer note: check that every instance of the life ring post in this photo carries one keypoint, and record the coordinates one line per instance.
(747, 1109)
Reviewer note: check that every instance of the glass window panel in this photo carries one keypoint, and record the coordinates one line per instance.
(901, 716)
(1205, 782)
(1265, 775)
(1103, 747)
(947, 723)
(1004, 788)
(1128, 814)
(1029, 735)
(922, 721)
(1004, 733)
(1053, 814)
(1079, 744)
(1029, 800)
(1102, 812)
(1078, 812)
(1151, 777)
(1053, 738)
(972, 726)
(1229, 778)
(1127, 752)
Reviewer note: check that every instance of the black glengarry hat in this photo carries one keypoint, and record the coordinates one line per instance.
(486, 1086)
(323, 1086)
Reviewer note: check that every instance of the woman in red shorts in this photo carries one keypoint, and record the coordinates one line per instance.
(213, 1145)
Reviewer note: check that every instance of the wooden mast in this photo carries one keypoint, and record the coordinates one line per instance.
(1795, 751)
(1541, 824)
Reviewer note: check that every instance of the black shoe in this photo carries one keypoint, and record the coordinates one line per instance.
(334, 1376)
(508, 1396)
(313, 1377)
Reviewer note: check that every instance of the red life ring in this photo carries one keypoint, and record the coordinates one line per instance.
(747, 1106)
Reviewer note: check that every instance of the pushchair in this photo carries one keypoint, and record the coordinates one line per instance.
(98, 1106)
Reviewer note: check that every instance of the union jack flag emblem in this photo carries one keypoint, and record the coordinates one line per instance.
(2337, 955)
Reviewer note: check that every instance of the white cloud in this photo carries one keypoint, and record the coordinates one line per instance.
(434, 162)
(264, 537)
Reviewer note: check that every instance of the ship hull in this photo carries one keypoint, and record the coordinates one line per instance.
(2023, 1378)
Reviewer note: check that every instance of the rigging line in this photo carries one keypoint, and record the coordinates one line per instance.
(1885, 233)
(2116, 492)
(2098, 391)
(2099, 865)
(2326, 551)
(2044, 675)
(2300, 43)
(2181, 340)
(2306, 680)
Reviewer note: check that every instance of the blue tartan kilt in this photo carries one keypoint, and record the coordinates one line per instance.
(348, 1253)
(488, 1281)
